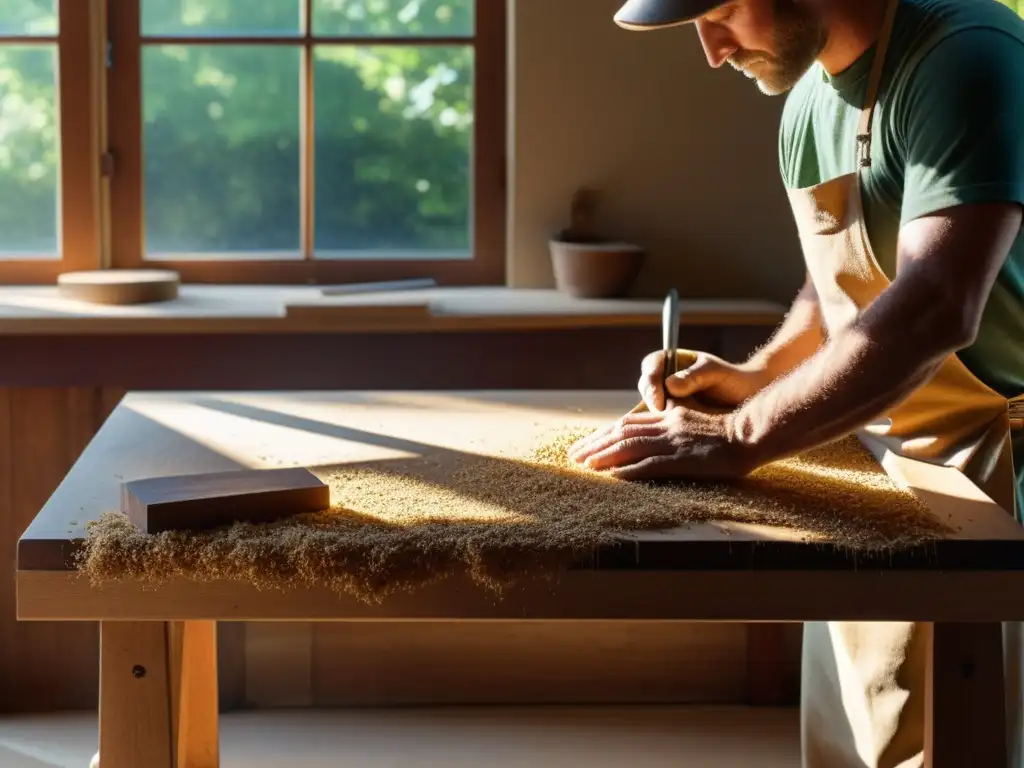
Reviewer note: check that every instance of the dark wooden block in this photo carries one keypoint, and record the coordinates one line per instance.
(209, 500)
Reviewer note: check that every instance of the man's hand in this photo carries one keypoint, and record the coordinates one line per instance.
(676, 443)
(709, 379)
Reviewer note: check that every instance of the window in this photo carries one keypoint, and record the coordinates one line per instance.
(309, 140)
(239, 141)
(49, 145)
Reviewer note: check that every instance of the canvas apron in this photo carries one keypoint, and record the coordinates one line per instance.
(864, 683)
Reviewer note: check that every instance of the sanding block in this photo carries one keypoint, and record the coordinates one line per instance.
(211, 500)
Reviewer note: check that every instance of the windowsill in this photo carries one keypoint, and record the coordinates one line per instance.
(302, 309)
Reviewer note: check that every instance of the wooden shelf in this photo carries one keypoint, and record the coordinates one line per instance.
(290, 309)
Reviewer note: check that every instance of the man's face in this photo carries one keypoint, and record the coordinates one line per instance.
(771, 41)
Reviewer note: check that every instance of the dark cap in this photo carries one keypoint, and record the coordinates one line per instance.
(657, 14)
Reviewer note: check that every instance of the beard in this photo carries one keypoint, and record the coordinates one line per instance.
(799, 37)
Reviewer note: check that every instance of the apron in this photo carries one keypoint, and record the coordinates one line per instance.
(863, 683)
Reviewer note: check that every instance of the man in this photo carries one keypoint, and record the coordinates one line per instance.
(902, 153)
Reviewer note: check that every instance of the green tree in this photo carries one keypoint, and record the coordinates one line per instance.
(222, 127)
(393, 128)
(29, 136)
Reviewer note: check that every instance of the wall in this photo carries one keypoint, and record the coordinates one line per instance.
(685, 156)
(42, 432)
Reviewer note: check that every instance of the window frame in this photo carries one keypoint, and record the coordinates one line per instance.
(486, 265)
(79, 94)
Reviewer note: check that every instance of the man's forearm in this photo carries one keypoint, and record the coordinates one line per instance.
(796, 340)
(947, 264)
(895, 346)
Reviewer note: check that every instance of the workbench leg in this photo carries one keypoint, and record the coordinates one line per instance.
(193, 675)
(965, 722)
(135, 718)
(158, 695)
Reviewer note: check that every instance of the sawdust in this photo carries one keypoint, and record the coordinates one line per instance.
(400, 524)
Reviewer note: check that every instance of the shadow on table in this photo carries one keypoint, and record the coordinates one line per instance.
(492, 489)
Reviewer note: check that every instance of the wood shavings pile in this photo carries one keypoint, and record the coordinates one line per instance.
(399, 524)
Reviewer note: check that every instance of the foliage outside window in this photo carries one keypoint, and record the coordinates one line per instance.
(48, 190)
(284, 141)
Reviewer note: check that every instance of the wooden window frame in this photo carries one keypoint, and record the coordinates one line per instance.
(79, 92)
(487, 250)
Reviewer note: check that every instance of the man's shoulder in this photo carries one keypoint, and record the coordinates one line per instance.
(954, 29)
(954, 114)
(800, 98)
(941, 17)
(952, 55)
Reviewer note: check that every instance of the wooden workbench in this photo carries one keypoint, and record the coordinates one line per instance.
(66, 364)
(157, 660)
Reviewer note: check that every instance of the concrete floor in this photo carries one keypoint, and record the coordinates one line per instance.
(524, 737)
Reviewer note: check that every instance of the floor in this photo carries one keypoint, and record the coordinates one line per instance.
(599, 737)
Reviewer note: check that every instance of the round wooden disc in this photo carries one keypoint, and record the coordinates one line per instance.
(119, 286)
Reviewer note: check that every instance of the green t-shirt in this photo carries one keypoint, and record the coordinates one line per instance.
(948, 128)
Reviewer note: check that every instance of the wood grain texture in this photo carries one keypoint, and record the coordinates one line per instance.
(578, 595)
(83, 416)
(207, 500)
(31, 651)
(603, 358)
(135, 701)
(182, 433)
(42, 432)
(193, 679)
(54, 665)
(224, 453)
(45, 666)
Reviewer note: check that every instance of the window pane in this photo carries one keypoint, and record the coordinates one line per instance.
(394, 128)
(394, 17)
(28, 17)
(29, 152)
(221, 149)
(221, 17)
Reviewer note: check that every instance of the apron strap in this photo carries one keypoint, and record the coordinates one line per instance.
(874, 82)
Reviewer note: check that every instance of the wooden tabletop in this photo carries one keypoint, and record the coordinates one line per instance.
(180, 433)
